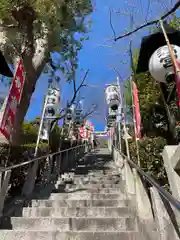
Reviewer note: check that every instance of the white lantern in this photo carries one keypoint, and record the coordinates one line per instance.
(160, 63)
(112, 97)
(78, 118)
(51, 110)
(70, 114)
(112, 113)
(53, 102)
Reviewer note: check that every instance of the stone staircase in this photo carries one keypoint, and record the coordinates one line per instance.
(93, 206)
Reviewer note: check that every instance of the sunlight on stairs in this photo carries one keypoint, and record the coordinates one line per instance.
(94, 206)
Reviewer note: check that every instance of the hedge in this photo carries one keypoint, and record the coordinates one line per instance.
(151, 161)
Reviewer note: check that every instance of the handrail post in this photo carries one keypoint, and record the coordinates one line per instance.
(31, 178)
(173, 177)
(59, 163)
(67, 161)
(4, 189)
(169, 154)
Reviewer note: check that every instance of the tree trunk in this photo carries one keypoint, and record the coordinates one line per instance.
(31, 78)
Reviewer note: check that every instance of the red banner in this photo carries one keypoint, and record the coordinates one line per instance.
(12, 101)
(136, 111)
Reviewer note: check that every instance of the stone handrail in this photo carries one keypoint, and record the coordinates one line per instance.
(60, 161)
(152, 205)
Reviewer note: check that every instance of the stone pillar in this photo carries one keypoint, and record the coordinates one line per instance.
(164, 224)
(143, 208)
(129, 180)
(47, 171)
(30, 180)
(170, 157)
(173, 177)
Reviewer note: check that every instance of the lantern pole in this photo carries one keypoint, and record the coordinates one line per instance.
(170, 48)
(177, 69)
(40, 126)
(119, 112)
(124, 127)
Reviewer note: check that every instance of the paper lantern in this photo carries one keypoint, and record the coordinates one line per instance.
(160, 63)
(112, 97)
(53, 102)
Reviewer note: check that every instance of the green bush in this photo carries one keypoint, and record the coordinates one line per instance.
(29, 133)
(16, 155)
(24, 152)
(151, 161)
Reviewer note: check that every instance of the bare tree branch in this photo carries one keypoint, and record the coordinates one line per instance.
(73, 98)
(76, 90)
(115, 70)
(88, 113)
(80, 86)
(172, 10)
(110, 19)
(148, 8)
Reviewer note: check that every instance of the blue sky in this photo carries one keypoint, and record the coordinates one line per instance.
(96, 58)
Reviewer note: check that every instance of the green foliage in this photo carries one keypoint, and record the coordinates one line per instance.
(55, 138)
(53, 22)
(16, 155)
(151, 161)
(29, 133)
(154, 120)
(30, 130)
(32, 29)
(175, 22)
(127, 93)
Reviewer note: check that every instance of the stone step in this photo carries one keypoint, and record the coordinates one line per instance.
(76, 212)
(97, 176)
(105, 190)
(92, 181)
(90, 190)
(73, 224)
(94, 190)
(98, 181)
(84, 196)
(57, 235)
(83, 170)
(105, 172)
(102, 185)
(79, 203)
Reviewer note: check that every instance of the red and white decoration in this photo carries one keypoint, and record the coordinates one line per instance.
(13, 100)
(87, 130)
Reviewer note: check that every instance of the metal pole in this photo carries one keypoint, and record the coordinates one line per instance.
(119, 130)
(40, 127)
(119, 112)
(125, 130)
(170, 49)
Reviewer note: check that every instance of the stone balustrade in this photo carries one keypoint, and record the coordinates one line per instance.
(157, 219)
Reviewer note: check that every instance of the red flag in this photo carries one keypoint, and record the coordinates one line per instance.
(177, 79)
(12, 101)
(136, 111)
